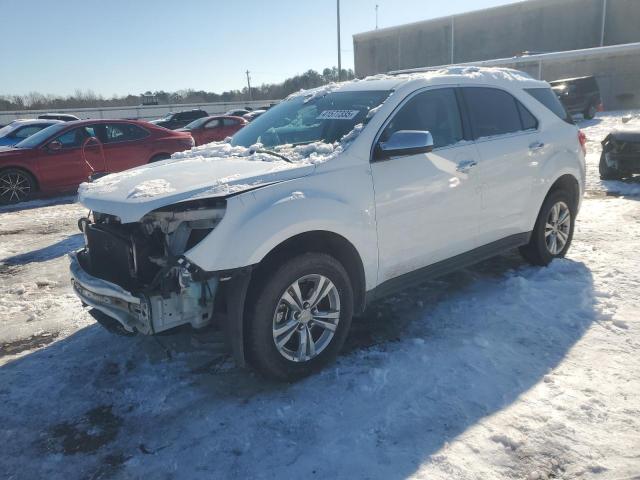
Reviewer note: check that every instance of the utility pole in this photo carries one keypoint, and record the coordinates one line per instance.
(339, 54)
(249, 85)
(377, 16)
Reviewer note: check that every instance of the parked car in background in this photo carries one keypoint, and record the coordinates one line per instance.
(59, 157)
(620, 155)
(175, 120)
(18, 130)
(579, 95)
(65, 117)
(238, 112)
(214, 129)
(357, 192)
(251, 116)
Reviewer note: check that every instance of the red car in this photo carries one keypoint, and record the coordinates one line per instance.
(214, 129)
(60, 157)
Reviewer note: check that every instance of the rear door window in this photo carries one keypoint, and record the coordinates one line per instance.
(529, 122)
(121, 132)
(549, 99)
(492, 112)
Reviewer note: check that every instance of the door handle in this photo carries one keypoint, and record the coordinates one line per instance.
(466, 165)
(536, 146)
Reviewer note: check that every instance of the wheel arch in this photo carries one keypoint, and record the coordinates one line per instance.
(569, 183)
(319, 241)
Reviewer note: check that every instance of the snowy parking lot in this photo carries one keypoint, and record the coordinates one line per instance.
(500, 371)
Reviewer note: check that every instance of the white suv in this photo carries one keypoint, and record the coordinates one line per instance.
(330, 200)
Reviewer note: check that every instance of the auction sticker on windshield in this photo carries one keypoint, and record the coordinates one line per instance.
(338, 115)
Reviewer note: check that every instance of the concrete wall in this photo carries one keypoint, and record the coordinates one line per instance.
(148, 112)
(534, 25)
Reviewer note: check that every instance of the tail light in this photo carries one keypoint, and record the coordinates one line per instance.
(582, 138)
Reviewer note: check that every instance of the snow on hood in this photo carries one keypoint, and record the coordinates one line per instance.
(213, 170)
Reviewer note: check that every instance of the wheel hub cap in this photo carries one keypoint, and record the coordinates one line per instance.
(306, 318)
(14, 187)
(557, 228)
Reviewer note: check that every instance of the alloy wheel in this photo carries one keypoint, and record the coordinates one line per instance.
(306, 318)
(557, 228)
(14, 187)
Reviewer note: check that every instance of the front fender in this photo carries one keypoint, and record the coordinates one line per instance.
(258, 221)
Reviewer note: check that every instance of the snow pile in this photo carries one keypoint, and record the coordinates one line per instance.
(151, 188)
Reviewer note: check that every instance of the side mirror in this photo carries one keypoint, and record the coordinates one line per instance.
(405, 142)
(54, 146)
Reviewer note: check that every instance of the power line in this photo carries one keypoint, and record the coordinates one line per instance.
(339, 53)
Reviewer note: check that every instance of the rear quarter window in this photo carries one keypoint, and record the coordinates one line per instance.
(549, 99)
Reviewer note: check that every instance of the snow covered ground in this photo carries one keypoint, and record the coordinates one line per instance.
(501, 371)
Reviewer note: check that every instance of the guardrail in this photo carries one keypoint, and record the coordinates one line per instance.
(140, 112)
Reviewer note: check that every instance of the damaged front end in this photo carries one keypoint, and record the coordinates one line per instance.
(621, 151)
(136, 273)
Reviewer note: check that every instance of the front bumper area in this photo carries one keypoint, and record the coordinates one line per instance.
(130, 310)
(139, 312)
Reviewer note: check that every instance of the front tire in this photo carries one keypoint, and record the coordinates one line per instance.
(553, 231)
(16, 186)
(299, 316)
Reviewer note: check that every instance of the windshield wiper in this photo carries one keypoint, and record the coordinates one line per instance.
(275, 154)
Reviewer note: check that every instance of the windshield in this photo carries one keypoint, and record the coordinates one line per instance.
(305, 119)
(39, 137)
(196, 123)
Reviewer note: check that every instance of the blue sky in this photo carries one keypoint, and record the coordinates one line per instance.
(129, 46)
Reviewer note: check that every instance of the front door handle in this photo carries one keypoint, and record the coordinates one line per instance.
(466, 165)
(536, 146)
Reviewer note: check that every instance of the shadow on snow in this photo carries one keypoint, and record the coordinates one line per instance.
(58, 249)
(420, 369)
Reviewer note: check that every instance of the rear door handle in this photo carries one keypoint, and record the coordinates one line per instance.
(466, 165)
(536, 146)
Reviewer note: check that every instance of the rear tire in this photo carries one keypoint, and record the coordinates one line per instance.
(553, 231)
(590, 112)
(159, 157)
(290, 333)
(16, 186)
(606, 172)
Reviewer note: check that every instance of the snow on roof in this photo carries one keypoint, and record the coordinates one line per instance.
(391, 81)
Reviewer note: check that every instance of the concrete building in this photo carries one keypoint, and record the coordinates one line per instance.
(531, 26)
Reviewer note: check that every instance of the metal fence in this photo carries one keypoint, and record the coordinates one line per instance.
(141, 112)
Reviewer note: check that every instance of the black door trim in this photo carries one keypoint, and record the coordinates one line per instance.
(449, 265)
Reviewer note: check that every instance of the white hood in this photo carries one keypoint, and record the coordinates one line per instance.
(133, 193)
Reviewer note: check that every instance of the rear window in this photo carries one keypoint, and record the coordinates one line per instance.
(548, 98)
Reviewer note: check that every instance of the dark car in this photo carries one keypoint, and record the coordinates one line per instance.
(579, 95)
(60, 157)
(214, 129)
(620, 154)
(238, 112)
(174, 120)
(251, 116)
(65, 117)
